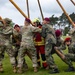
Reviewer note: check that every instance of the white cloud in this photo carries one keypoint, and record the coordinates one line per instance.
(49, 7)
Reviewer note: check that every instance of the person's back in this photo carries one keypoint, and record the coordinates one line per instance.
(50, 39)
(49, 33)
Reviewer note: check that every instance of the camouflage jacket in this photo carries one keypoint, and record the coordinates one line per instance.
(48, 33)
(72, 34)
(27, 35)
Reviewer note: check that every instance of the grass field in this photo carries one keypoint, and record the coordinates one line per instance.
(61, 65)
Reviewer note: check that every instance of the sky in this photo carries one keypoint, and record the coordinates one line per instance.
(49, 8)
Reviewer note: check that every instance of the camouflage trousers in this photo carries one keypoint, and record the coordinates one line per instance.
(11, 51)
(31, 50)
(2, 51)
(63, 57)
(49, 58)
(71, 56)
(71, 48)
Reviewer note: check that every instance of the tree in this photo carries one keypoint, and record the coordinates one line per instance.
(53, 20)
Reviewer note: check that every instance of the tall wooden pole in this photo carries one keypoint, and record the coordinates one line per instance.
(65, 13)
(73, 2)
(28, 8)
(40, 9)
(19, 9)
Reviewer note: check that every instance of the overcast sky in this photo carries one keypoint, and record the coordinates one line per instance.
(49, 7)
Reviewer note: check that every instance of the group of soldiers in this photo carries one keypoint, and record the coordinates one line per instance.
(34, 40)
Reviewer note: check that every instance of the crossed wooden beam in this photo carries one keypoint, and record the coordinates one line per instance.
(73, 2)
(41, 10)
(17, 7)
(66, 13)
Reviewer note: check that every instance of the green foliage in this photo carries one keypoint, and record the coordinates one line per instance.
(66, 30)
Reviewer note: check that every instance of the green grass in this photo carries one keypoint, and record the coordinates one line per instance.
(61, 65)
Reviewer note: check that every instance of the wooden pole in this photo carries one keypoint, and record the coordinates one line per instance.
(28, 8)
(66, 13)
(2, 20)
(59, 53)
(40, 9)
(73, 2)
(19, 9)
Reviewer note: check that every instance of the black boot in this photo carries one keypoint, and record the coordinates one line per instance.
(54, 71)
(70, 69)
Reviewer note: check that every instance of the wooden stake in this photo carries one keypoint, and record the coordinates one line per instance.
(66, 13)
(73, 2)
(40, 9)
(28, 8)
(19, 9)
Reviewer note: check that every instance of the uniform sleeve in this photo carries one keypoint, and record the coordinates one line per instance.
(71, 31)
(8, 31)
(35, 29)
(43, 33)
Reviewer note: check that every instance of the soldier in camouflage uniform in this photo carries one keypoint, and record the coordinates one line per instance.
(72, 44)
(15, 40)
(6, 33)
(27, 44)
(70, 41)
(58, 49)
(50, 39)
(2, 48)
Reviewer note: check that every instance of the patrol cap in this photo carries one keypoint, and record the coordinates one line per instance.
(47, 19)
(58, 33)
(28, 20)
(7, 20)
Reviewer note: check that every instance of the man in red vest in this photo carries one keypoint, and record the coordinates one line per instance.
(40, 45)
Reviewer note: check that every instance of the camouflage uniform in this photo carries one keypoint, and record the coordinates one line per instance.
(6, 33)
(71, 47)
(50, 39)
(61, 46)
(27, 44)
(2, 47)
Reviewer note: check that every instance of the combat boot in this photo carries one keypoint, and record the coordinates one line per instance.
(14, 69)
(39, 64)
(19, 70)
(54, 71)
(70, 69)
(35, 69)
(1, 69)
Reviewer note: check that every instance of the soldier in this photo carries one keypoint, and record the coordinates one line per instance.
(15, 40)
(71, 48)
(27, 44)
(2, 48)
(50, 39)
(6, 33)
(72, 44)
(60, 45)
(40, 45)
